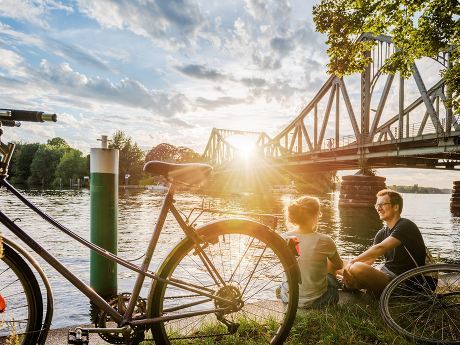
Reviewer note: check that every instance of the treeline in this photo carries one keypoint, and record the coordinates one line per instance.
(50, 164)
(419, 190)
(55, 163)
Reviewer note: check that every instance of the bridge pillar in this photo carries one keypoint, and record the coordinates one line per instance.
(359, 190)
(455, 199)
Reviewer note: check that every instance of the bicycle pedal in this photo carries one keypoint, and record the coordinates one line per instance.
(78, 337)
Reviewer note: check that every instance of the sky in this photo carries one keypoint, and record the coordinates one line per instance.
(164, 71)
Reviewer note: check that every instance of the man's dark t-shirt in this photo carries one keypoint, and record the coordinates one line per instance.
(398, 260)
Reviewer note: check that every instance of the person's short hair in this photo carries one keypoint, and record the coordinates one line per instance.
(395, 197)
(302, 209)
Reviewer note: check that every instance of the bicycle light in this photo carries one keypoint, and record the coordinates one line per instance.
(2, 304)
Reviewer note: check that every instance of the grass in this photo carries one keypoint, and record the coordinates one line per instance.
(347, 324)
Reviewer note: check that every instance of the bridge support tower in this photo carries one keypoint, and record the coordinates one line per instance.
(359, 190)
(455, 199)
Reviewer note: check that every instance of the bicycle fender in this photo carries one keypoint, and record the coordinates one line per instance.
(49, 292)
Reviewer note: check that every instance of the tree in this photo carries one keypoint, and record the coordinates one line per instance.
(44, 164)
(419, 28)
(131, 159)
(72, 165)
(170, 153)
(57, 141)
(22, 160)
(162, 152)
(187, 155)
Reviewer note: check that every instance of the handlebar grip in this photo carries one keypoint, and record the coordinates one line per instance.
(27, 115)
(10, 123)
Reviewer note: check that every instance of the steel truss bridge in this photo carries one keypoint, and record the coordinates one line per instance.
(331, 133)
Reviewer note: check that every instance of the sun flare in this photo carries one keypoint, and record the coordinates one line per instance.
(245, 146)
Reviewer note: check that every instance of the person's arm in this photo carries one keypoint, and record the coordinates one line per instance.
(374, 252)
(336, 261)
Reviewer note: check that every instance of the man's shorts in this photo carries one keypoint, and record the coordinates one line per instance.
(385, 270)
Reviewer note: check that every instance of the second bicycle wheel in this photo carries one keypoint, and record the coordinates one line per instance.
(21, 304)
(423, 304)
(253, 262)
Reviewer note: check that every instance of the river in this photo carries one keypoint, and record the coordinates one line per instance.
(353, 230)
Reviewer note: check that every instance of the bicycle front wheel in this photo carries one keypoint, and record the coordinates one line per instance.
(253, 262)
(21, 304)
(423, 304)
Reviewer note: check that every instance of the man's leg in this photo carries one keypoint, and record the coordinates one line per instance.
(363, 276)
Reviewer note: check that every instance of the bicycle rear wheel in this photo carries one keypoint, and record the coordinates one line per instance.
(253, 261)
(21, 308)
(423, 304)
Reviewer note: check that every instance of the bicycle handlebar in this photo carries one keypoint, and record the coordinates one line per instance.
(26, 115)
(10, 123)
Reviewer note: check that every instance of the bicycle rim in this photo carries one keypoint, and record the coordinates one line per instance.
(253, 262)
(423, 304)
(21, 301)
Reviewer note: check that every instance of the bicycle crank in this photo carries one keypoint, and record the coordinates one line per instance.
(120, 303)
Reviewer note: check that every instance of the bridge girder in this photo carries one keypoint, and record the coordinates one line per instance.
(309, 136)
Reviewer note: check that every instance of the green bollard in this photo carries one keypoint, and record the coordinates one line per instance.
(104, 214)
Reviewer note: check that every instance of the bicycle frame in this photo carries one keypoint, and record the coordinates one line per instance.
(143, 272)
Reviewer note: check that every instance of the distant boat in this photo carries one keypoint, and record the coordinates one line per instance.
(157, 187)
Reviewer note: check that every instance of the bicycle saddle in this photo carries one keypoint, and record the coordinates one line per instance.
(186, 173)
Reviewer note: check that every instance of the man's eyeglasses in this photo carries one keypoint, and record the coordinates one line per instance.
(377, 206)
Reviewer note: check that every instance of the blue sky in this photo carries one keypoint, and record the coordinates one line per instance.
(163, 71)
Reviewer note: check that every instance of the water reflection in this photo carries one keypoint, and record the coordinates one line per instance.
(359, 225)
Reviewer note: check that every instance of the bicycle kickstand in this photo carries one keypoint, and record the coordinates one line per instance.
(79, 337)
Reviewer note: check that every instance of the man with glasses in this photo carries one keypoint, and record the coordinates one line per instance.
(399, 241)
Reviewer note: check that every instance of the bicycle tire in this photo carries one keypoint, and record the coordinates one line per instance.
(423, 304)
(21, 292)
(262, 308)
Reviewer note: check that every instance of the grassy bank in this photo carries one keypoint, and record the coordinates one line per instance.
(347, 324)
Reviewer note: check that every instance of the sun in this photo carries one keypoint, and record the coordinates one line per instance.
(245, 146)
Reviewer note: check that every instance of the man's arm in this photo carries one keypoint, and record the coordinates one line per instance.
(374, 252)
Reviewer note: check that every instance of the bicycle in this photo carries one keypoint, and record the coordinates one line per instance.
(219, 282)
(423, 304)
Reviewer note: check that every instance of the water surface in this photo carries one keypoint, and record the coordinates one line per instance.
(353, 230)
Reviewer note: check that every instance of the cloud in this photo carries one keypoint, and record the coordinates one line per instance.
(173, 23)
(282, 45)
(278, 90)
(256, 8)
(213, 104)
(268, 9)
(200, 72)
(267, 62)
(33, 12)
(253, 82)
(78, 55)
(65, 50)
(9, 59)
(11, 37)
(126, 92)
